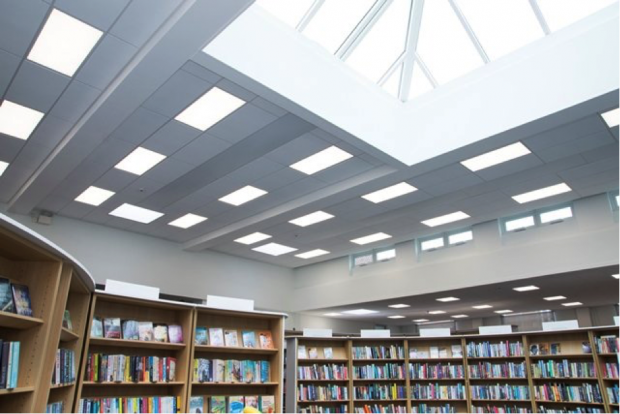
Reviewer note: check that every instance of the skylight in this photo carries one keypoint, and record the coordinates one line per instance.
(94, 196)
(253, 238)
(371, 238)
(312, 218)
(274, 249)
(243, 195)
(18, 121)
(542, 193)
(498, 156)
(448, 218)
(290, 12)
(135, 213)
(140, 161)
(3, 167)
(321, 160)
(612, 118)
(209, 109)
(559, 14)
(312, 253)
(187, 221)
(390, 192)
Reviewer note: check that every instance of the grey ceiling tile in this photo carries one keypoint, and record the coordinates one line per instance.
(615, 131)
(214, 209)
(464, 181)
(100, 14)
(565, 133)
(169, 170)
(433, 178)
(8, 66)
(100, 215)
(266, 105)
(609, 177)
(140, 189)
(482, 199)
(19, 23)
(279, 179)
(141, 19)
(600, 153)
(297, 149)
(76, 210)
(139, 126)
(201, 72)
(299, 188)
(36, 87)
(576, 146)
(105, 62)
(50, 132)
(254, 170)
(532, 184)
(597, 167)
(324, 135)
(115, 180)
(242, 123)
(343, 170)
(179, 92)
(404, 201)
(370, 159)
(75, 100)
(234, 89)
(10, 147)
(53, 203)
(32, 155)
(201, 150)
(170, 138)
(70, 188)
(511, 167)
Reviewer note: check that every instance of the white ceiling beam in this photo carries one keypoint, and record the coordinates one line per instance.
(413, 33)
(362, 28)
(470, 31)
(540, 17)
(312, 11)
(393, 67)
(426, 71)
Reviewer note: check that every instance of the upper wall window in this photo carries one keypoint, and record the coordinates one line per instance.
(377, 255)
(447, 239)
(535, 218)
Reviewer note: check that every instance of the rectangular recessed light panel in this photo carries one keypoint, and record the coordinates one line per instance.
(94, 196)
(3, 167)
(448, 299)
(389, 193)
(331, 314)
(399, 306)
(135, 213)
(420, 320)
(64, 43)
(140, 161)
(18, 121)
(360, 312)
(371, 238)
(542, 193)
(482, 307)
(312, 253)
(503, 311)
(614, 276)
(396, 317)
(460, 316)
(612, 118)
(243, 195)
(209, 109)
(551, 298)
(321, 160)
(498, 156)
(526, 288)
(274, 249)
(312, 218)
(572, 304)
(187, 221)
(253, 238)
(448, 218)
(436, 312)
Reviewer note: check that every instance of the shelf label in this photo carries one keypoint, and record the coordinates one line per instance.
(375, 333)
(223, 302)
(132, 290)
(495, 329)
(617, 320)
(433, 332)
(318, 333)
(560, 325)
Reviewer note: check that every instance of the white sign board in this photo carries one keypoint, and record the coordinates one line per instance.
(131, 290)
(318, 333)
(435, 332)
(495, 329)
(223, 302)
(617, 320)
(375, 333)
(561, 325)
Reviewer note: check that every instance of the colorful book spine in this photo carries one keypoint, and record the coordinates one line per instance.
(588, 393)
(487, 370)
(612, 394)
(129, 368)
(494, 350)
(378, 352)
(436, 371)
(320, 409)
(322, 392)
(378, 408)
(380, 392)
(607, 344)
(9, 364)
(610, 370)
(377, 371)
(231, 371)
(323, 372)
(563, 369)
(500, 392)
(55, 407)
(64, 369)
(130, 405)
(425, 408)
(499, 409)
(438, 392)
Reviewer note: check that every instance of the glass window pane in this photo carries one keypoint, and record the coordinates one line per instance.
(502, 26)
(419, 83)
(520, 223)
(432, 244)
(362, 260)
(443, 43)
(289, 11)
(461, 237)
(384, 43)
(561, 13)
(556, 215)
(391, 86)
(335, 20)
(386, 255)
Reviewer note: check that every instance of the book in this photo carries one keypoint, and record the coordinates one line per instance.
(218, 405)
(434, 351)
(265, 340)
(235, 404)
(251, 401)
(216, 336)
(313, 353)
(267, 404)
(130, 330)
(556, 348)
(160, 332)
(230, 337)
(6, 296)
(201, 336)
(196, 404)
(413, 353)
(443, 352)
(96, 329)
(66, 320)
(219, 370)
(534, 350)
(457, 351)
(145, 331)
(175, 334)
(328, 353)
(301, 352)
(4, 363)
(112, 328)
(249, 339)
(21, 300)
(586, 348)
(543, 348)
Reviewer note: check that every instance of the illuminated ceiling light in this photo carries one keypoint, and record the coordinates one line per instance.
(526, 288)
(614, 276)
(312, 218)
(542, 193)
(3, 167)
(396, 317)
(360, 312)
(312, 253)
(332, 314)
(274, 249)
(18, 121)
(551, 298)
(612, 118)
(572, 304)
(140, 161)
(371, 238)
(445, 219)
(253, 238)
(436, 312)
(498, 156)
(460, 316)
(210, 109)
(94, 196)
(243, 195)
(187, 221)
(448, 299)
(503, 311)
(321, 160)
(482, 307)
(389, 193)
(135, 213)
(399, 306)
(420, 320)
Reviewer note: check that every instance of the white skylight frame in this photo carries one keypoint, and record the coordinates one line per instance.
(482, 307)
(3, 166)
(18, 121)
(360, 312)
(399, 306)
(187, 221)
(274, 249)
(553, 298)
(371, 238)
(253, 238)
(312, 254)
(528, 288)
(139, 161)
(312, 218)
(612, 117)
(243, 195)
(210, 109)
(389, 193)
(64, 43)
(134, 213)
(321, 160)
(541, 193)
(93, 196)
(448, 299)
(446, 219)
(496, 157)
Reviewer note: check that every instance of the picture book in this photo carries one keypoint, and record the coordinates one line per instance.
(216, 336)
(196, 404)
(235, 371)
(265, 340)
(267, 404)
(175, 334)
(160, 332)
(112, 328)
(230, 337)
(130, 330)
(219, 370)
(6, 296)
(203, 370)
(301, 352)
(21, 300)
(413, 353)
(235, 404)
(96, 329)
(248, 368)
(66, 320)
(249, 339)
(313, 353)
(145, 331)
(586, 348)
(265, 371)
(251, 401)
(556, 348)
(218, 405)
(434, 351)
(543, 348)
(443, 352)
(534, 349)
(457, 351)
(328, 353)
(201, 336)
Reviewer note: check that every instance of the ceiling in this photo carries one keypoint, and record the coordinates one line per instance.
(592, 287)
(148, 67)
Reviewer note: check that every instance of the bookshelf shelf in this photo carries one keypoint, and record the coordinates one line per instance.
(378, 400)
(67, 336)
(131, 384)
(57, 386)
(322, 360)
(501, 401)
(371, 360)
(437, 379)
(235, 350)
(379, 380)
(18, 390)
(414, 360)
(568, 402)
(235, 384)
(497, 379)
(135, 344)
(14, 321)
(565, 379)
(565, 356)
(607, 354)
(322, 401)
(319, 380)
(496, 358)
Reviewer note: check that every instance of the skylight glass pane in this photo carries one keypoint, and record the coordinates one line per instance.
(432, 244)
(561, 13)
(459, 238)
(520, 223)
(443, 43)
(419, 83)
(556, 215)
(290, 12)
(392, 85)
(502, 26)
(363, 260)
(386, 255)
(335, 20)
(384, 43)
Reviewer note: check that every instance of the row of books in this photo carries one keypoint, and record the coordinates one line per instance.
(323, 409)
(129, 368)
(232, 404)
(323, 372)
(500, 392)
(425, 408)
(9, 365)
(503, 370)
(555, 348)
(379, 392)
(612, 394)
(499, 409)
(64, 368)
(55, 407)
(563, 369)
(456, 351)
(436, 371)
(14, 298)
(130, 405)
(569, 393)
(493, 350)
(379, 408)
(114, 328)
(378, 352)
(322, 392)
(438, 392)
(577, 410)
(231, 371)
(230, 337)
(387, 371)
(610, 370)
(606, 344)
(313, 352)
